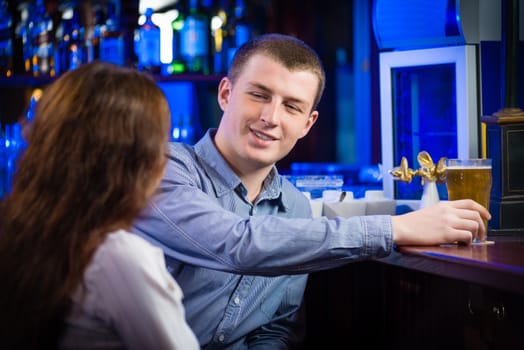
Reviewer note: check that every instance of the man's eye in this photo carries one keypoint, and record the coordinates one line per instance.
(293, 107)
(258, 95)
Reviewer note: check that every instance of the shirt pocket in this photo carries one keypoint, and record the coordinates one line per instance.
(295, 290)
(273, 296)
(284, 293)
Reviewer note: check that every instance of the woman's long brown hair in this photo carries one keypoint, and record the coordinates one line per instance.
(95, 152)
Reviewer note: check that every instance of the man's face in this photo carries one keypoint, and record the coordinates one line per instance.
(265, 112)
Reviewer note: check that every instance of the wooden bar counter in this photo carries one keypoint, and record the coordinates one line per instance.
(500, 265)
(451, 296)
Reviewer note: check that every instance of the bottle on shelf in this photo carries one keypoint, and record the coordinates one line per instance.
(177, 65)
(219, 37)
(13, 140)
(240, 30)
(147, 44)
(61, 39)
(94, 26)
(6, 40)
(183, 129)
(41, 32)
(23, 35)
(6, 160)
(195, 39)
(112, 37)
(11, 144)
(71, 45)
(76, 50)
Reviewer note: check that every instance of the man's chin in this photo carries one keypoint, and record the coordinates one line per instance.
(262, 162)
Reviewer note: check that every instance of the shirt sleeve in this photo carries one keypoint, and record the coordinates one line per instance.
(191, 227)
(137, 296)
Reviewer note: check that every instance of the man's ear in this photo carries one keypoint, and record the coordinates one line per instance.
(309, 123)
(224, 91)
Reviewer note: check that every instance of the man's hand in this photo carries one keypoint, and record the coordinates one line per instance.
(444, 222)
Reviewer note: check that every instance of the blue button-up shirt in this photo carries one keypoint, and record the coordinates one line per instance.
(240, 265)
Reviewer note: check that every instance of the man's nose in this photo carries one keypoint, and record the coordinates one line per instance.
(269, 114)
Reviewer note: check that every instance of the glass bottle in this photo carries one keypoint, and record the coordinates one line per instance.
(147, 44)
(240, 30)
(23, 34)
(187, 131)
(42, 60)
(112, 38)
(71, 47)
(60, 39)
(219, 37)
(178, 65)
(183, 129)
(6, 41)
(195, 42)
(76, 50)
(93, 32)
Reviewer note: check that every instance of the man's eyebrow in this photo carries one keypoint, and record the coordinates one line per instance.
(260, 86)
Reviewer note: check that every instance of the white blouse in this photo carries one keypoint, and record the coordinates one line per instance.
(127, 300)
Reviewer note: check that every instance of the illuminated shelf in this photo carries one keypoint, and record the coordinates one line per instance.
(22, 81)
(187, 77)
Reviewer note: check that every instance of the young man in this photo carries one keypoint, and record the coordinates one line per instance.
(238, 237)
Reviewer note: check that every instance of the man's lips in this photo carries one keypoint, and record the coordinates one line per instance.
(263, 136)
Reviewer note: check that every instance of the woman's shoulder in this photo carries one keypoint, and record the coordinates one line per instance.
(124, 241)
(123, 250)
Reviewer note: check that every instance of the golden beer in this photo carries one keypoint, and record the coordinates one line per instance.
(469, 182)
(469, 178)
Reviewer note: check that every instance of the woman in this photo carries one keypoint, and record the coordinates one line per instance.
(71, 274)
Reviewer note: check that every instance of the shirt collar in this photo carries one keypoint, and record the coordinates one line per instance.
(224, 178)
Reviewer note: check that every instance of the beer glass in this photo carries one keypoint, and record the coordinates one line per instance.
(469, 178)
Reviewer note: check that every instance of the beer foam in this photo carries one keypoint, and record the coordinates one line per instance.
(462, 167)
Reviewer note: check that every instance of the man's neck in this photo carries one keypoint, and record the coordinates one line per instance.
(254, 182)
(252, 177)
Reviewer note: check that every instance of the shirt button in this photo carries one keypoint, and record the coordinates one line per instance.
(236, 300)
(221, 338)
